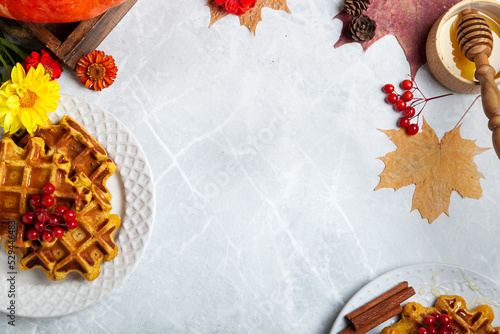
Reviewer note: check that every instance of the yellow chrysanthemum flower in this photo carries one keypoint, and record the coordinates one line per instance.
(27, 98)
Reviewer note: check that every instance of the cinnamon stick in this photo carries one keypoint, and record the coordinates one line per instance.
(400, 287)
(378, 310)
(386, 316)
(364, 319)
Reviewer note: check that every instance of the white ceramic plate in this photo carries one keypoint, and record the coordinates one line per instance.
(132, 189)
(429, 281)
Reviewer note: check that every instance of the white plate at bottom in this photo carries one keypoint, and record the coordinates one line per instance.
(132, 189)
(429, 281)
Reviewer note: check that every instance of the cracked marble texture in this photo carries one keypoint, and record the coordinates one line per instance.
(264, 155)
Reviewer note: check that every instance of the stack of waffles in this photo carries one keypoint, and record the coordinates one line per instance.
(76, 164)
(462, 320)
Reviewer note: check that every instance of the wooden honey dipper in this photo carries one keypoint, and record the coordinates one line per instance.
(476, 42)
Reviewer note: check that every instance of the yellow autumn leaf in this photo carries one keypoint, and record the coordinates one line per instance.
(435, 167)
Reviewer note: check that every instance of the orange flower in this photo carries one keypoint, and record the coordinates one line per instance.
(96, 70)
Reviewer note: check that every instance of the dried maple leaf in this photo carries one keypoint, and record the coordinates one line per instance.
(252, 17)
(436, 168)
(409, 20)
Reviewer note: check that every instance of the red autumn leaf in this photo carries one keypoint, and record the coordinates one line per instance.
(409, 20)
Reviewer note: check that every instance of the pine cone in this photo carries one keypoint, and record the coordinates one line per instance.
(362, 28)
(355, 7)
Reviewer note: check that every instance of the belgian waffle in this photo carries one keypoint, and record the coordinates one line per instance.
(23, 172)
(463, 321)
(86, 170)
(83, 249)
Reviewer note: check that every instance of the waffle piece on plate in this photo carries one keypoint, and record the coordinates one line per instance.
(81, 250)
(461, 320)
(23, 172)
(82, 150)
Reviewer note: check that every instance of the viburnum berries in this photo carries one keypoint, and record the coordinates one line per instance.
(436, 323)
(407, 102)
(237, 7)
(44, 224)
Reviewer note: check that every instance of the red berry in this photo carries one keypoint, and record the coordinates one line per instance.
(407, 96)
(39, 226)
(72, 224)
(57, 232)
(409, 112)
(404, 122)
(407, 84)
(47, 236)
(32, 234)
(42, 215)
(388, 88)
(392, 98)
(48, 188)
(444, 320)
(60, 209)
(443, 331)
(429, 320)
(400, 105)
(36, 200)
(47, 201)
(432, 330)
(28, 217)
(69, 215)
(422, 330)
(54, 220)
(436, 316)
(412, 129)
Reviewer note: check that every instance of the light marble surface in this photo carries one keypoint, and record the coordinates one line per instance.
(264, 154)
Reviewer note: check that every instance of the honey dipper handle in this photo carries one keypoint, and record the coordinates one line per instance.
(490, 96)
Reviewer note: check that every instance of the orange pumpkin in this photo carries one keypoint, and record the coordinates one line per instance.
(54, 11)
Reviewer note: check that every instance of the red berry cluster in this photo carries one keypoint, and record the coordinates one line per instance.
(237, 7)
(436, 323)
(402, 103)
(48, 225)
(407, 102)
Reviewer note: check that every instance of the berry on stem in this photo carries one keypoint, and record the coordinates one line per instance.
(48, 189)
(39, 226)
(60, 209)
(57, 232)
(32, 234)
(400, 105)
(28, 217)
(412, 129)
(54, 220)
(409, 112)
(47, 200)
(392, 98)
(404, 122)
(407, 84)
(429, 320)
(47, 236)
(72, 224)
(36, 200)
(444, 320)
(388, 88)
(407, 96)
(69, 215)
